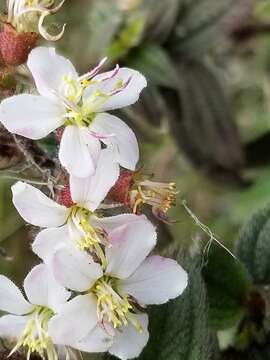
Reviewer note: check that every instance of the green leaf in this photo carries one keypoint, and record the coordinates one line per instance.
(228, 285)
(253, 246)
(202, 123)
(179, 329)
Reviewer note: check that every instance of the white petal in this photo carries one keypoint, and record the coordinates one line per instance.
(36, 208)
(75, 269)
(79, 151)
(156, 281)
(97, 340)
(123, 140)
(129, 343)
(89, 192)
(49, 69)
(31, 116)
(41, 288)
(75, 231)
(12, 326)
(127, 96)
(11, 298)
(74, 321)
(48, 241)
(130, 244)
(111, 223)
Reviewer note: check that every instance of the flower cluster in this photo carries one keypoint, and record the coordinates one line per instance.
(97, 273)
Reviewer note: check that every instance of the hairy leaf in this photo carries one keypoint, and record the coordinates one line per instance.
(228, 285)
(253, 246)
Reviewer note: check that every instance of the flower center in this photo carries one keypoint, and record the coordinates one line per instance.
(111, 306)
(88, 238)
(82, 111)
(35, 337)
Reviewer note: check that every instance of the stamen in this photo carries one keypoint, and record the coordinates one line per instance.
(120, 87)
(93, 72)
(113, 307)
(160, 196)
(91, 239)
(35, 337)
(18, 9)
(44, 33)
(113, 74)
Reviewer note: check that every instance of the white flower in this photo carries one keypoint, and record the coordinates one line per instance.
(79, 104)
(29, 321)
(77, 225)
(130, 281)
(29, 15)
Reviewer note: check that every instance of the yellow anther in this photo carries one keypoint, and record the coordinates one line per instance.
(112, 306)
(85, 83)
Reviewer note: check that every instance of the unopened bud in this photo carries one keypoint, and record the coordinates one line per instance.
(119, 193)
(16, 46)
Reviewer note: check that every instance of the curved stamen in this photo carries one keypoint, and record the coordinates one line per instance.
(93, 72)
(44, 33)
(113, 74)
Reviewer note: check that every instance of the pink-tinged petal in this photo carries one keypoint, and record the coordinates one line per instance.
(89, 192)
(36, 208)
(31, 116)
(75, 269)
(97, 340)
(49, 70)
(78, 152)
(110, 83)
(130, 244)
(11, 298)
(42, 288)
(12, 326)
(74, 321)
(111, 223)
(156, 281)
(129, 342)
(48, 241)
(121, 138)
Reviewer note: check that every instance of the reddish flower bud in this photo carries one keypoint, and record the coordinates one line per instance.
(120, 191)
(16, 46)
(64, 197)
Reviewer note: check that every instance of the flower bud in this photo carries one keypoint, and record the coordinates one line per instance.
(120, 191)
(16, 46)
